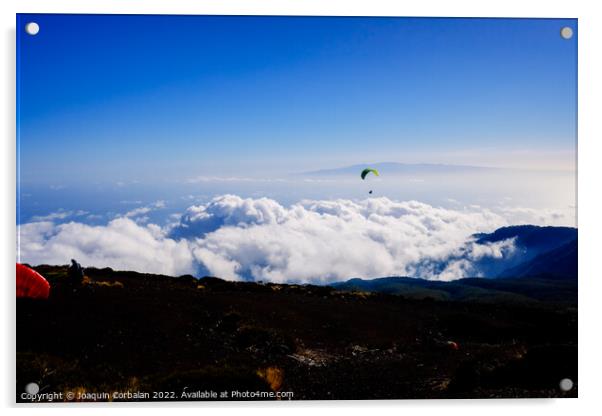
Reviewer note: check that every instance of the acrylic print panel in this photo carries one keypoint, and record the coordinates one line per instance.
(293, 208)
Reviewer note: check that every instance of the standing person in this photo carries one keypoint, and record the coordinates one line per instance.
(75, 275)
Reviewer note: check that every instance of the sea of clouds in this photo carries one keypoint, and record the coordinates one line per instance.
(317, 241)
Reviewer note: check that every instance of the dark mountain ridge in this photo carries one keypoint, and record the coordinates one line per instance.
(543, 267)
(539, 251)
(523, 244)
(559, 263)
(510, 290)
(531, 237)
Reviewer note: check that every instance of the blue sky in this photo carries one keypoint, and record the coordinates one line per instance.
(147, 98)
(174, 144)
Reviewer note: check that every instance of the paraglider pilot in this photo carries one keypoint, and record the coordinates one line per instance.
(366, 172)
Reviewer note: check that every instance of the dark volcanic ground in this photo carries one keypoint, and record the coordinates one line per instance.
(124, 331)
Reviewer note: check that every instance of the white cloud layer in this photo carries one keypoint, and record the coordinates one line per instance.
(139, 214)
(311, 241)
(121, 244)
(58, 215)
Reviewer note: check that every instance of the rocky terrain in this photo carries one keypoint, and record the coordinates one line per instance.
(132, 332)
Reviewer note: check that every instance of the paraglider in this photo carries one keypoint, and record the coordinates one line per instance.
(366, 172)
(31, 284)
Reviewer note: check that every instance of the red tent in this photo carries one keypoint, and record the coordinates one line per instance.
(31, 284)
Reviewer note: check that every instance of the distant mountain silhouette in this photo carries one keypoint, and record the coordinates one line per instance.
(402, 168)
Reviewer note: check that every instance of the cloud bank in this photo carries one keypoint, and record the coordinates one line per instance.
(311, 241)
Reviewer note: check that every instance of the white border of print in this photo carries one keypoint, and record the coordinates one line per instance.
(590, 290)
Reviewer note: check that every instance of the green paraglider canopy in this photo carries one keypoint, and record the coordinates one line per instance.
(367, 171)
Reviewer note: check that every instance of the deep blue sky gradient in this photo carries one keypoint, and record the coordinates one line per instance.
(145, 98)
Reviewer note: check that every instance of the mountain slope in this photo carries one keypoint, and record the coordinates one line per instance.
(515, 290)
(130, 332)
(532, 238)
(529, 242)
(560, 262)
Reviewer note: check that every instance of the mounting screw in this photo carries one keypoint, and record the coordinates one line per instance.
(32, 28)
